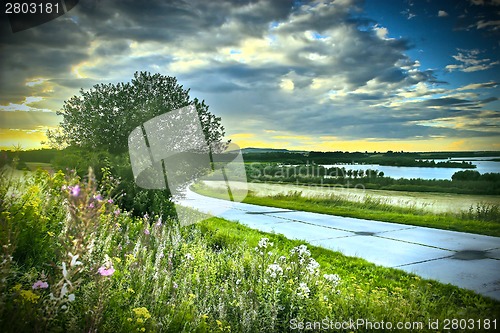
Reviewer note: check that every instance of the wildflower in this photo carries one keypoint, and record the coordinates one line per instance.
(274, 270)
(110, 201)
(333, 278)
(74, 261)
(29, 296)
(106, 271)
(264, 242)
(117, 212)
(146, 231)
(75, 190)
(64, 290)
(158, 223)
(71, 297)
(238, 282)
(64, 270)
(303, 290)
(40, 285)
(189, 256)
(142, 312)
(98, 197)
(175, 285)
(204, 316)
(91, 205)
(313, 266)
(301, 251)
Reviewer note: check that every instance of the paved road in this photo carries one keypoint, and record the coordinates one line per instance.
(466, 260)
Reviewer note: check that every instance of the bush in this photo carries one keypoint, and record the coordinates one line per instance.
(130, 197)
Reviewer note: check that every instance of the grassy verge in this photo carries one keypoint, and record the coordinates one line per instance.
(483, 220)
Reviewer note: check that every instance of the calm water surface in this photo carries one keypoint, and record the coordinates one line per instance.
(483, 166)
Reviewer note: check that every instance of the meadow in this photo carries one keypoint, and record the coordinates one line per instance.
(481, 218)
(73, 260)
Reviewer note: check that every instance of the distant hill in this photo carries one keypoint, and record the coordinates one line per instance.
(270, 150)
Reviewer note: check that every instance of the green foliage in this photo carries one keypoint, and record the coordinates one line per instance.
(104, 116)
(128, 195)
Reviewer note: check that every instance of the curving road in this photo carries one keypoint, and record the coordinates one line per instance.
(465, 260)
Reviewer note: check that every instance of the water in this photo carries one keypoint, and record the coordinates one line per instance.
(424, 173)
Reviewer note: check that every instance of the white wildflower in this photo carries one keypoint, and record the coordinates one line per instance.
(64, 290)
(274, 270)
(74, 261)
(313, 266)
(188, 256)
(301, 251)
(303, 290)
(71, 297)
(64, 270)
(332, 278)
(264, 243)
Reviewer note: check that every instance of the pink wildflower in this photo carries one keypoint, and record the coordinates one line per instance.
(105, 271)
(146, 231)
(40, 285)
(110, 201)
(75, 190)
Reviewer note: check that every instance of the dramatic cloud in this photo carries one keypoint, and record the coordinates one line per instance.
(276, 71)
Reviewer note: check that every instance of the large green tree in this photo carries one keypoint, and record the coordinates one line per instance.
(103, 117)
(97, 122)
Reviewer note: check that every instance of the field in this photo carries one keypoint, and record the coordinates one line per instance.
(73, 261)
(433, 202)
(483, 218)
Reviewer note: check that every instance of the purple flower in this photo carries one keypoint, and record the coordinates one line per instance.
(117, 212)
(75, 190)
(146, 231)
(98, 197)
(91, 205)
(40, 285)
(110, 201)
(158, 223)
(105, 271)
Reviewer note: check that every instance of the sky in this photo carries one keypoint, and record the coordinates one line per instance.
(419, 75)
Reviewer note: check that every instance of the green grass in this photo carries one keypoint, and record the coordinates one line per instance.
(483, 219)
(213, 276)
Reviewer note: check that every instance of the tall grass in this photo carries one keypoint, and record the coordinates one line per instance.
(482, 219)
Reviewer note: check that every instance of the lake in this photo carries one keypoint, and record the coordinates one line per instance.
(483, 166)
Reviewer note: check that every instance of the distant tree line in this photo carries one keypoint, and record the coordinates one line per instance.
(463, 182)
(388, 159)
